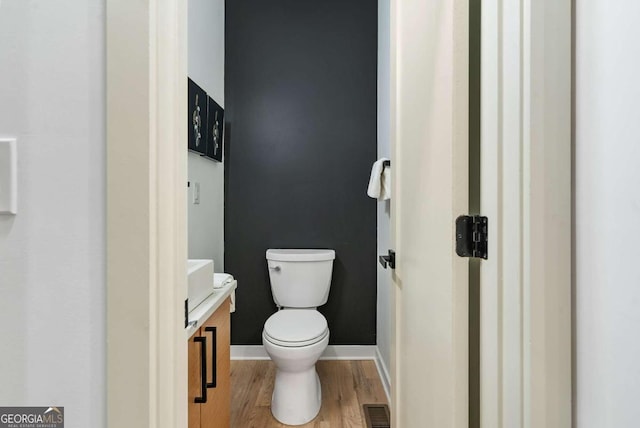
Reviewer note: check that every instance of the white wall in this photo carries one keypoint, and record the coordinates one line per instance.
(206, 68)
(384, 150)
(607, 209)
(52, 254)
(206, 220)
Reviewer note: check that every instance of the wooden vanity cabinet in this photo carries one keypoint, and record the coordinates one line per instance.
(210, 403)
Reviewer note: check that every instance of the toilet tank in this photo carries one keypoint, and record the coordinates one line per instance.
(300, 278)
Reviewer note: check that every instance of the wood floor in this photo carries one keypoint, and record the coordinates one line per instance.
(346, 386)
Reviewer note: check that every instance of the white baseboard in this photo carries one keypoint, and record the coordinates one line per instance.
(349, 352)
(248, 352)
(383, 371)
(333, 352)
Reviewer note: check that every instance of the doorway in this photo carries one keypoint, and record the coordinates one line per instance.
(151, 260)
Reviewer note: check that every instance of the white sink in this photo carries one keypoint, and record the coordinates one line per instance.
(200, 274)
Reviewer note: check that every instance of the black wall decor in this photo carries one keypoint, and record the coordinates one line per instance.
(197, 117)
(215, 130)
(300, 96)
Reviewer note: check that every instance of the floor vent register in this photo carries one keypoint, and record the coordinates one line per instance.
(377, 415)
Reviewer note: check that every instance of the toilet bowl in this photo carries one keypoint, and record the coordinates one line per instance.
(297, 335)
(297, 395)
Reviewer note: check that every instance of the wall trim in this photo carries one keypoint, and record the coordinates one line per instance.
(383, 371)
(333, 352)
(248, 352)
(146, 225)
(525, 293)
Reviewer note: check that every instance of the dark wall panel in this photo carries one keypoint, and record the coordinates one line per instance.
(300, 101)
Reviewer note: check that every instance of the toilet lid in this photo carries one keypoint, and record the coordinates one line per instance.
(294, 326)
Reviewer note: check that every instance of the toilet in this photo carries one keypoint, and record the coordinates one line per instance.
(296, 335)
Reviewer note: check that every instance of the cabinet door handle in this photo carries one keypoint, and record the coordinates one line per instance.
(214, 356)
(203, 370)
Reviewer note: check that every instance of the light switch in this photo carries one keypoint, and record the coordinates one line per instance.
(196, 193)
(8, 176)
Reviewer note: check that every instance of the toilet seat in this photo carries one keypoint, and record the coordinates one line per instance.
(296, 328)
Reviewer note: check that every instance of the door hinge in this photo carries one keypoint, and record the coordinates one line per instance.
(472, 236)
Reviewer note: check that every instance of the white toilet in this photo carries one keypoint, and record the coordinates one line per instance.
(296, 335)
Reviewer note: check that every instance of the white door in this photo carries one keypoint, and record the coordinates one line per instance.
(430, 165)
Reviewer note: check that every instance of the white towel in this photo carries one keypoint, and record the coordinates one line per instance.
(385, 194)
(380, 181)
(232, 302)
(221, 279)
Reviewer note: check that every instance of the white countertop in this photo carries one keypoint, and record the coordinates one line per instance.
(204, 310)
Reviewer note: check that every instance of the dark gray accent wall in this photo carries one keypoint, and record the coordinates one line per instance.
(300, 101)
(475, 18)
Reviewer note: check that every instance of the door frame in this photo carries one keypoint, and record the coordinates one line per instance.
(526, 175)
(147, 232)
(146, 51)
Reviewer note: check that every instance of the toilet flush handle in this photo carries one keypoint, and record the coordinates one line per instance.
(276, 268)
